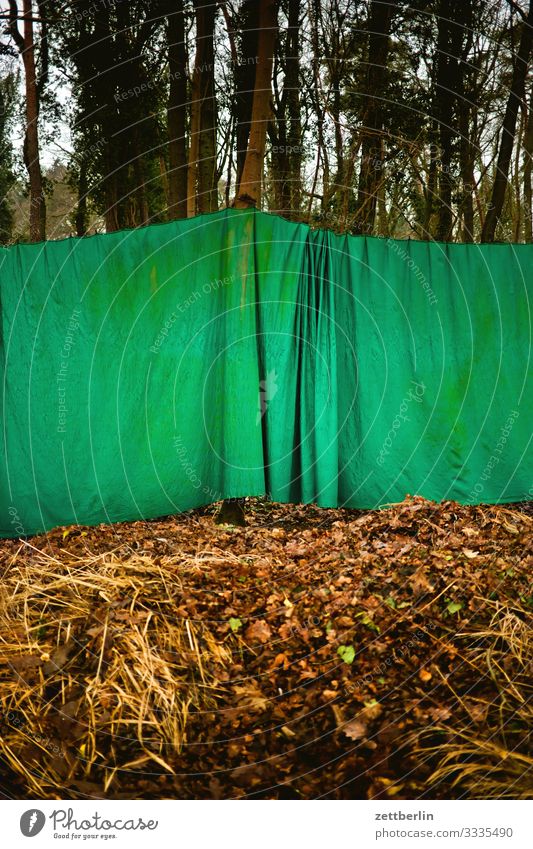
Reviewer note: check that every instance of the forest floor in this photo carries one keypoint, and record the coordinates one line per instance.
(313, 653)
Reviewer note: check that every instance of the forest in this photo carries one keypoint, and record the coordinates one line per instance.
(402, 119)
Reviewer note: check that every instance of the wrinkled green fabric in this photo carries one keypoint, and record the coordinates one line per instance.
(154, 370)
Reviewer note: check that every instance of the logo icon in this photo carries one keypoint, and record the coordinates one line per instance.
(32, 822)
(267, 390)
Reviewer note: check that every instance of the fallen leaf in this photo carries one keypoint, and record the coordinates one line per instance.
(355, 729)
(347, 653)
(258, 631)
(440, 714)
(59, 659)
(372, 710)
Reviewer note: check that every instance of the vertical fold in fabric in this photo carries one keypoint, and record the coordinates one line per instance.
(155, 370)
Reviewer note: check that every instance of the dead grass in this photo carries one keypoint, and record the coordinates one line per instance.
(485, 750)
(95, 664)
(130, 661)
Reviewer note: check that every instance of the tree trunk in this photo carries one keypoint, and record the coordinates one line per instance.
(286, 134)
(207, 145)
(431, 190)
(139, 200)
(111, 214)
(31, 145)
(231, 512)
(277, 133)
(81, 206)
(32, 162)
(508, 130)
(338, 186)
(447, 86)
(202, 172)
(245, 79)
(249, 190)
(177, 111)
(192, 168)
(444, 94)
(108, 118)
(467, 157)
(466, 109)
(322, 161)
(528, 162)
(379, 26)
(293, 197)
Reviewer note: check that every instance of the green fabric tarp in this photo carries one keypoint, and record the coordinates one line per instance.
(154, 370)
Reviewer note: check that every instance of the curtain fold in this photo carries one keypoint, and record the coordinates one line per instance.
(154, 370)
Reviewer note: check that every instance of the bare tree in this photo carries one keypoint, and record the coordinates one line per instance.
(202, 175)
(528, 162)
(177, 110)
(285, 132)
(249, 189)
(244, 69)
(33, 91)
(508, 132)
(379, 26)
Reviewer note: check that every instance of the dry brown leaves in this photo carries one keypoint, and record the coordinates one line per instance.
(312, 653)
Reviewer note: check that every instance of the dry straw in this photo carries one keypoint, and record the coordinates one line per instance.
(97, 672)
(484, 751)
(100, 668)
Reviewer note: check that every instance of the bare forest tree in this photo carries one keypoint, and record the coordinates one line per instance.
(507, 140)
(368, 117)
(177, 110)
(35, 80)
(249, 188)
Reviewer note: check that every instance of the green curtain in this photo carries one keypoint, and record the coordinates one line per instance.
(150, 371)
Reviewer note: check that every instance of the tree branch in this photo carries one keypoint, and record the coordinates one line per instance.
(514, 5)
(13, 28)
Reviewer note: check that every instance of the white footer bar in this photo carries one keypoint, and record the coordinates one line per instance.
(268, 824)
